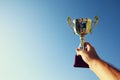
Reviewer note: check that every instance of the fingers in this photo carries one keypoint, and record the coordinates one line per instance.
(87, 48)
(79, 51)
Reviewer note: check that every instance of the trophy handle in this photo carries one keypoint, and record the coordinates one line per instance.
(95, 21)
(69, 22)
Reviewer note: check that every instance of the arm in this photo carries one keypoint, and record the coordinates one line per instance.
(102, 69)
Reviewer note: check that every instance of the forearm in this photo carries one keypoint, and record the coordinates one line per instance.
(104, 71)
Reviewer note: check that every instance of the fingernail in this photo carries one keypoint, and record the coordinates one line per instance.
(78, 49)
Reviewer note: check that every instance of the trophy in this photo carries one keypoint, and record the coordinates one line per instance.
(82, 27)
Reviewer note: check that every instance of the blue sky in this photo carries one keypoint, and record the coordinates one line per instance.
(37, 44)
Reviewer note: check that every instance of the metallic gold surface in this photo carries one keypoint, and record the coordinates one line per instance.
(82, 26)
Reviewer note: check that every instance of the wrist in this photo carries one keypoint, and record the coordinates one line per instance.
(93, 63)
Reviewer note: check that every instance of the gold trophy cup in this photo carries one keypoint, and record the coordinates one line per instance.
(81, 27)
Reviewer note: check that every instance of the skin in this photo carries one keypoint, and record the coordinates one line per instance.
(103, 70)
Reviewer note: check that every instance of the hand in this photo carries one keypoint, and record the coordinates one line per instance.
(103, 70)
(89, 54)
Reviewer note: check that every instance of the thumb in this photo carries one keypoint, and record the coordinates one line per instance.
(87, 46)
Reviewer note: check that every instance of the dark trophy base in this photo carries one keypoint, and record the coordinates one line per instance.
(79, 62)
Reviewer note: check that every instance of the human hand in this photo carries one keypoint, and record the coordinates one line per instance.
(88, 54)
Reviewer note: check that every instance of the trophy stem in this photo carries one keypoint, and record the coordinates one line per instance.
(82, 42)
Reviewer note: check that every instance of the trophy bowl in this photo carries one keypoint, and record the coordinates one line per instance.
(81, 27)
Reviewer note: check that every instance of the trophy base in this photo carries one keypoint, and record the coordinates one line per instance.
(79, 62)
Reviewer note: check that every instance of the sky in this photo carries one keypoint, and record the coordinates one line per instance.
(37, 44)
